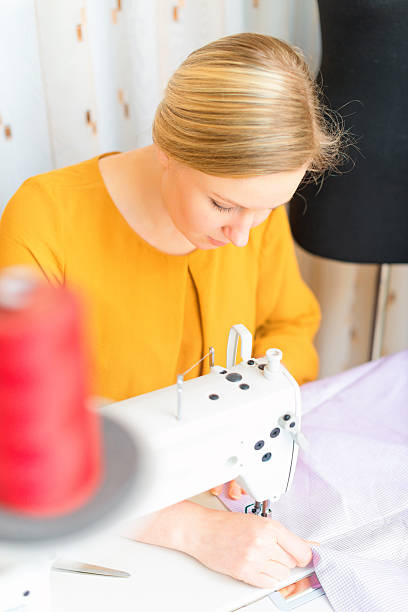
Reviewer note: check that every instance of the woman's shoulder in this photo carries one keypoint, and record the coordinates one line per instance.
(44, 199)
(58, 191)
(76, 176)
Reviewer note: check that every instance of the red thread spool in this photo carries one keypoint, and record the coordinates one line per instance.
(50, 449)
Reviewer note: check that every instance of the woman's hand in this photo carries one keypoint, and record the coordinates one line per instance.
(248, 547)
(234, 490)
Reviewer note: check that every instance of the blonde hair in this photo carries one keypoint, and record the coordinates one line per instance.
(246, 105)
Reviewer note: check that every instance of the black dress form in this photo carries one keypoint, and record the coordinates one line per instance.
(362, 215)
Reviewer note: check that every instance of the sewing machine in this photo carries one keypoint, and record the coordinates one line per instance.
(239, 422)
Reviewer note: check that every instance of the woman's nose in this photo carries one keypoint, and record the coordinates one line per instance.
(238, 230)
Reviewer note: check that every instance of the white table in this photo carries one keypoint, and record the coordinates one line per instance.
(161, 579)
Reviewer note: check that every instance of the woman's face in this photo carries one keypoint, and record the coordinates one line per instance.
(212, 211)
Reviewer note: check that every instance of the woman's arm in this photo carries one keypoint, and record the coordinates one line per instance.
(288, 314)
(247, 547)
(30, 231)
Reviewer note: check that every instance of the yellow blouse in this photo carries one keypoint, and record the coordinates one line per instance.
(151, 315)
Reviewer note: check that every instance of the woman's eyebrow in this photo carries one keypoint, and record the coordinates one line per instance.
(216, 195)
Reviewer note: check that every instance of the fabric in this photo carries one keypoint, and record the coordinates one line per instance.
(350, 490)
(151, 314)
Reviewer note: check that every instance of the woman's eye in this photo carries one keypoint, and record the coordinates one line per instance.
(221, 208)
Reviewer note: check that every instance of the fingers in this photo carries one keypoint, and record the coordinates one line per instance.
(267, 575)
(262, 581)
(282, 556)
(234, 490)
(275, 552)
(276, 570)
(292, 544)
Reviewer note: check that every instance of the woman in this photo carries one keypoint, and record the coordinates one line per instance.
(173, 243)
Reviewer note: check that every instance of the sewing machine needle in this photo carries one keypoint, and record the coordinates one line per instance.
(87, 568)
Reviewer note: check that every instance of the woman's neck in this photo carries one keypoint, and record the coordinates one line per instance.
(133, 181)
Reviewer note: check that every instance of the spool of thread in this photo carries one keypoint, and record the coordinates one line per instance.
(50, 446)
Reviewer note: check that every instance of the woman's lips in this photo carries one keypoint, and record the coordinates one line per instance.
(216, 242)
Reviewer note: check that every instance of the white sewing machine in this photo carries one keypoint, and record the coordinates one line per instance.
(239, 422)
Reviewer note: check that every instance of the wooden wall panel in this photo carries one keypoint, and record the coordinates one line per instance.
(396, 320)
(346, 294)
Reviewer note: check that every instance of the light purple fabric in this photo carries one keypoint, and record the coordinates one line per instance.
(350, 490)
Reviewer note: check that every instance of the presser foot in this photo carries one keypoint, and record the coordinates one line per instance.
(260, 508)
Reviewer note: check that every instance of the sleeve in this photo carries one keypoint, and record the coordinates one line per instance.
(288, 314)
(30, 231)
